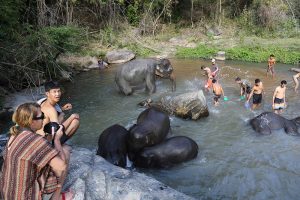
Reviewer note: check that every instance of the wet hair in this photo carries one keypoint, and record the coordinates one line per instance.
(237, 79)
(283, 82)
(214, 81)
(51, 85)
(202, 66)
(272, 55)
(257, 80)
(23, 116)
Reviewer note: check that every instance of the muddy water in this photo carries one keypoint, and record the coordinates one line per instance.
(233, 161)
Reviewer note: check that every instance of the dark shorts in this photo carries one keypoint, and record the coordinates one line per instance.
(248, 90)
(278, 101)
(217, 97)
(257, 98)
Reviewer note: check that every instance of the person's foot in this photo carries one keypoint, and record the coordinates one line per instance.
(67, 195)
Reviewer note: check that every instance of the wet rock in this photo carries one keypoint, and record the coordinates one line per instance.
(191, 105)
(78, 62)
(119, 56)
(93, 178)
(220, 55)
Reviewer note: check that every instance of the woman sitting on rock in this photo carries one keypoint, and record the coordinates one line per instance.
(32, 168)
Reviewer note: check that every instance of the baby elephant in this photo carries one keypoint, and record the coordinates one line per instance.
(112, 145)
(142, 72)
(168, 153)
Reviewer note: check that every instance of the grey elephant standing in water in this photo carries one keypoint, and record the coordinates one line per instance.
(139, 72)
(266, 122)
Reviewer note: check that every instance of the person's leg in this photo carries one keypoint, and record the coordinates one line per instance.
(295, 77)
(58, 194)
(272, 72)
(72, 128)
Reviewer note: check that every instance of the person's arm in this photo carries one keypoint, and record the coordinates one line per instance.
(241, 90)
(58, 163)
(67, 106)
(275, 92)
(52, 114)
(250, 95)
(222, 92)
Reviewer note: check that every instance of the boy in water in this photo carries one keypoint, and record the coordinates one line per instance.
(279, 98)
(295, 77)
(218, 91)
(256, 92)
(245, 86)
(271, 65)
(208, 84)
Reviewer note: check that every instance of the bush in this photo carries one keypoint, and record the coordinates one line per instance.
(200, 51)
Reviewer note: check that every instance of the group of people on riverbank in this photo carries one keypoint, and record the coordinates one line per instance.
(246, 90)
(36, 159)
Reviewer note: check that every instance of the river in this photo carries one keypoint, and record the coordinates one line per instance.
(233, 162)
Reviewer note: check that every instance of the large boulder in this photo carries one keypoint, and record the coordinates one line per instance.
(78, 62)
(93, 178)
(191, 105)
(119, 56)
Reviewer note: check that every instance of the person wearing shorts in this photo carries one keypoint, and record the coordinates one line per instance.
(256, 92)
(218, 91)
(279, 98)
(245, 86)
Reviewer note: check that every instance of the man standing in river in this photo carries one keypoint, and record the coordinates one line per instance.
(54, 113)
(279, 102)
(256, 92)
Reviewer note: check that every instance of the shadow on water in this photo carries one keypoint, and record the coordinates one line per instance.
(233, 161)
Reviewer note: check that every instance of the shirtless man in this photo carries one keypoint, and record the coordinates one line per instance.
(295, 77)
(279, 98)
(54, 113)
(218, 91)
(256, 92)
(208, 84)
(245, 86)
(271, 65)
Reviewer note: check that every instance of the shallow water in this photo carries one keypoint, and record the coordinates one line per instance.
(233, 161)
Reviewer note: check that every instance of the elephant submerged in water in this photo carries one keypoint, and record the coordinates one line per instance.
(139, 72)
(266, 122)
(168, 153)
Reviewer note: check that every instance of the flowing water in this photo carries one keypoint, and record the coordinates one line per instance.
(233, 161)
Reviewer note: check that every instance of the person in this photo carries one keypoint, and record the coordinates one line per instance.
(217, 90)
(256, 92)
(54, 113)
(102, 64)
(245, 86)
(271, 65)
(279, 102)
(32, 167)
(208, 84)
(295, 77)
(214, 68)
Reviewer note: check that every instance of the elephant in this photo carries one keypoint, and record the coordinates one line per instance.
(152, 128)
(138, 72)
(266, 122)
(172, 151)
(112, 145)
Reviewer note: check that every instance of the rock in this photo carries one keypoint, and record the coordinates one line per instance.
(93, 178)
(191, 105)
(220, 55)
(78, 62)
(119, 56)
(295, 69)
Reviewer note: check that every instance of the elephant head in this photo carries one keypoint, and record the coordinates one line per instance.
(164, 69)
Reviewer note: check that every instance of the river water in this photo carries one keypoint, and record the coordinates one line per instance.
(233, 161)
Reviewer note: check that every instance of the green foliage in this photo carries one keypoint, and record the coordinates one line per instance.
(133, 14)
(63, 38)
(251, 54)
(261, 54)
(200, 51)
